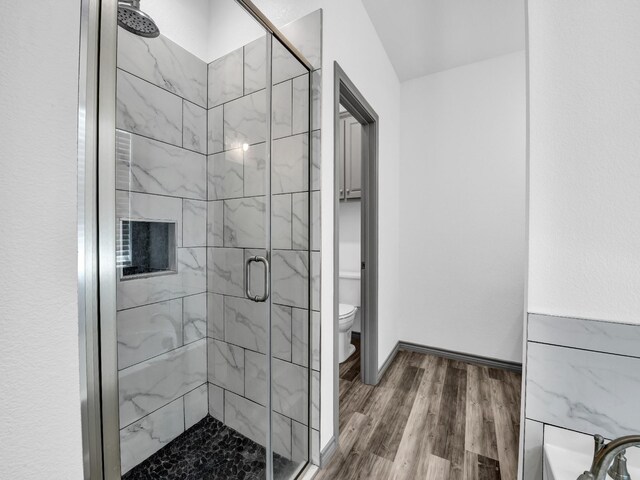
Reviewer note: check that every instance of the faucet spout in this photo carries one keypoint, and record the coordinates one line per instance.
(605, 455)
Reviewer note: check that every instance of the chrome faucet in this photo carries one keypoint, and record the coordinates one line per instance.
(611, 454)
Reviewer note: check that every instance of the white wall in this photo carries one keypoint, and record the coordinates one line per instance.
(349, 236)
(350, 39)
(40, 434)
(231, 27)
(585, 161)
(186, 22)
(462, 215)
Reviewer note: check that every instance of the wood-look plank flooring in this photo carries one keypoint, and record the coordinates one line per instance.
(429, 418)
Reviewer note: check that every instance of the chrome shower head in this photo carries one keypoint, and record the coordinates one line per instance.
(134, 20)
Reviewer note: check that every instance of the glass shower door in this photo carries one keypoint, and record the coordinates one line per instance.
(212, 249)
(290, 260)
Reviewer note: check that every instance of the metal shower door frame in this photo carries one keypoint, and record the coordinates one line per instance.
(97, 276)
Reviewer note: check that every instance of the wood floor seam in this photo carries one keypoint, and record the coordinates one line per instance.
(428, 418)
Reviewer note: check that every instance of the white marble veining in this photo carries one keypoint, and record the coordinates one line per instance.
(225, 78)
(290, 278)
(599, 336)
(246, 326)
(306, 35)
(196, 405)
(147, 386)
(289, 385)
(244, 222)
(254, 170)
(216, 402)
(215, 316)
(300, 336)
(316, 97)
(315, 281)
(142, 206)
(194, 317)
(315, 160)
(281, 110)
(143, 438)
(215, 224)
(148, 110)
(315, 447)
(245, 120)
(215, 130)
(300, 120)
(284, 65)
(255, 63)
(255, 380)
(190, 279)
(194, 127)
(246, 323)
(250, 419)
(315, 399)
(226, 365)
(299, 442)
(165, 64)
(281, 229)
(149, 166)
(226, 175)
(300, 221)
(582, 390)
(194, 223)
(226, 271)
(290, 164)
(316, 224)
(281, 332)
(145, 332)
(315, 340)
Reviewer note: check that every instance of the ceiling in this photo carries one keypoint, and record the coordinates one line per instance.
(427, 36)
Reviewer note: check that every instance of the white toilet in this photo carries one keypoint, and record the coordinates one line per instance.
(347, 314)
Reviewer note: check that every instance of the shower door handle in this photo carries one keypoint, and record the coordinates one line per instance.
(247, 274)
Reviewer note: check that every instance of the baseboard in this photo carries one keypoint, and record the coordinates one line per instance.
(328, 451)
(463, 357)
(388, 362)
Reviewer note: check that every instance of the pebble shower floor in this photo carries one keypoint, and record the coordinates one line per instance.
(210, 451)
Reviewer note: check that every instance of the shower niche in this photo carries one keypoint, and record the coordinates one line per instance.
(147, 248)
(213, 168)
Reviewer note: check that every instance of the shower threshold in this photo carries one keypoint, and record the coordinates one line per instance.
(211, 451)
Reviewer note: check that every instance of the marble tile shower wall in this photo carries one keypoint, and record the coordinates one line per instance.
(581, 375)
(190, 343)
(236, 229)
(161, 171)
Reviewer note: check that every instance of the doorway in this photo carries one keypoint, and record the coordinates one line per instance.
(350, 100)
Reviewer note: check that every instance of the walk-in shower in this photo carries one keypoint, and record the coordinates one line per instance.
(205, 245)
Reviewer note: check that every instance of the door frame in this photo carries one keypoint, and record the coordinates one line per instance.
(346, 93)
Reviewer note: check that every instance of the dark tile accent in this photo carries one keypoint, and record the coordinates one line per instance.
(210, 451)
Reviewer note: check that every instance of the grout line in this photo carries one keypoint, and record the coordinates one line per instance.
(161, 354)
(570, 347)
(168, 403)
(141, 135)
(154, 85)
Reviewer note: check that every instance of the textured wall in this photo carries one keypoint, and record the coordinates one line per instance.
(585, 98)
(40, 414)
(462, 226)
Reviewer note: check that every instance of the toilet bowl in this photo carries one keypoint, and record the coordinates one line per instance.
(347, 313)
